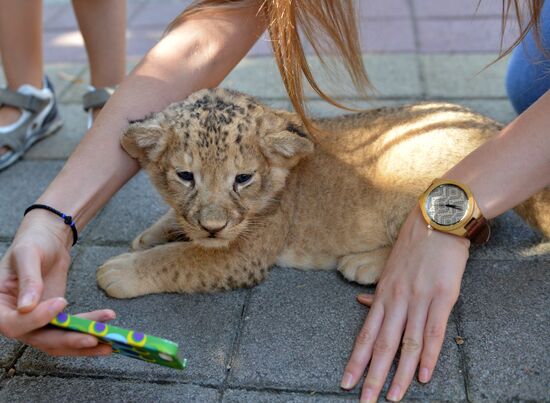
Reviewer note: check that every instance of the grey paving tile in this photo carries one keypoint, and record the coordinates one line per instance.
(512, 238)
(391, 75)
(49, 389)
(505, 322)
(133, 209)
(203, 325)
(465, 36)
(394, 75)
(321, 108)
(8, 351)
(499, 109)
(383, 8)
(257, 76)
(62, 143)
(245, 396)
(451, 8)
(21, 185)
(298, 333)
(8, 347)
(158, 14)
(388, 35)
(462, 76)
(61, 75)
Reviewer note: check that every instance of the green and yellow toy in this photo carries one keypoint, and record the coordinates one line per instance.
(125, 341)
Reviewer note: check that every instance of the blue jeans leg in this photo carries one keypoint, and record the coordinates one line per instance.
(528, 76)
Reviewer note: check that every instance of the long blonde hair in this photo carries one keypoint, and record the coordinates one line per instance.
(330, 27)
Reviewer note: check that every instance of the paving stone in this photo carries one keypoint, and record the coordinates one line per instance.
(50, 389)
(512, 238)
(391, 75)
(60, 74)
(464, 36)
(62, 143)
(299, 331)
(320, 108)
(462, 76)
(499, 109)
(155, 14)
(8, 347)
(203, 325)
(383, 8)
(21, 185)
(133, 209)
(505, 322)
(388, 35)
(452, 8)
(245, 396)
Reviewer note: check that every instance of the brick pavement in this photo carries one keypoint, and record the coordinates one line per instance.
(288, 339)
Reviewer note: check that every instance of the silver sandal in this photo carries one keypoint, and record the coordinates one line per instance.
(39, 119)
(95, 98)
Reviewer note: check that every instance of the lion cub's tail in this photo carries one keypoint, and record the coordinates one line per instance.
(536, 211)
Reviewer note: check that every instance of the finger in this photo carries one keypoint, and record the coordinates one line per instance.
(59, 339)
(15, 324)
(99, 350)
(362, 349)
(365, 299)
(434, 333)
(102, 315)
(26, 264)
(384, 350)
(411, 347)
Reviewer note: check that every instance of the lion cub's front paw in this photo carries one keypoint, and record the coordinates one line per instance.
(147, 239)
(118, 277)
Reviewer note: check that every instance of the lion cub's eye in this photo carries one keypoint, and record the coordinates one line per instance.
(243, 179)
(186, 176)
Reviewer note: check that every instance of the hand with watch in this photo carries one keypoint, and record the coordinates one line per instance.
(449, 206)
(417, 291)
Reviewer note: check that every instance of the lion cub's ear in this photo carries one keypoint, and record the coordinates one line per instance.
(144, 140)
(288, 145)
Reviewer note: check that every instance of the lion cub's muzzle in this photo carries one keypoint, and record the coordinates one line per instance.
(213, 219)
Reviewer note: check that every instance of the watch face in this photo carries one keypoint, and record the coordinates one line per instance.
(447, 204)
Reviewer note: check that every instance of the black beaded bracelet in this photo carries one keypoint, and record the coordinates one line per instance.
(67, 219)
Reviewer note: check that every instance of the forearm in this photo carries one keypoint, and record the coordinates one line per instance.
(197, 54)
(512, 166)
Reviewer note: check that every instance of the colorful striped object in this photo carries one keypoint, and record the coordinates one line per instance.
(125, 341)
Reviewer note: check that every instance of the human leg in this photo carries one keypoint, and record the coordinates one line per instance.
(28, 110)
(103, 26)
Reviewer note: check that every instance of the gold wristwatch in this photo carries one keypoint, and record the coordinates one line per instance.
(449, 206)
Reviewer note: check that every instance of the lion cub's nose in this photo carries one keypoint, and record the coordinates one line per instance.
(213, 226)
(213, 219)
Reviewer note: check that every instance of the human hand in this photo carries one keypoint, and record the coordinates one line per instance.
(33, 277)
(414, 298)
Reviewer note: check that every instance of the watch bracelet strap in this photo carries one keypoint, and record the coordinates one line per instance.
(478, 230)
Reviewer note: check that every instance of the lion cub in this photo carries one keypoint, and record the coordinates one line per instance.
(248, 188)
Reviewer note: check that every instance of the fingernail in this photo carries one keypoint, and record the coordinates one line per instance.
(88, 342)
(394, 393)
(367, 396)
(347, 381)
(27, 300)
(423, 375)
(57, 305)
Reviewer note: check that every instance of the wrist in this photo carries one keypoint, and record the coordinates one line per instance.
(49, 222)
(421, 230)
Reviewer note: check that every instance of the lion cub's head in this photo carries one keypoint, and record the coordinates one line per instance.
(220, 159)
